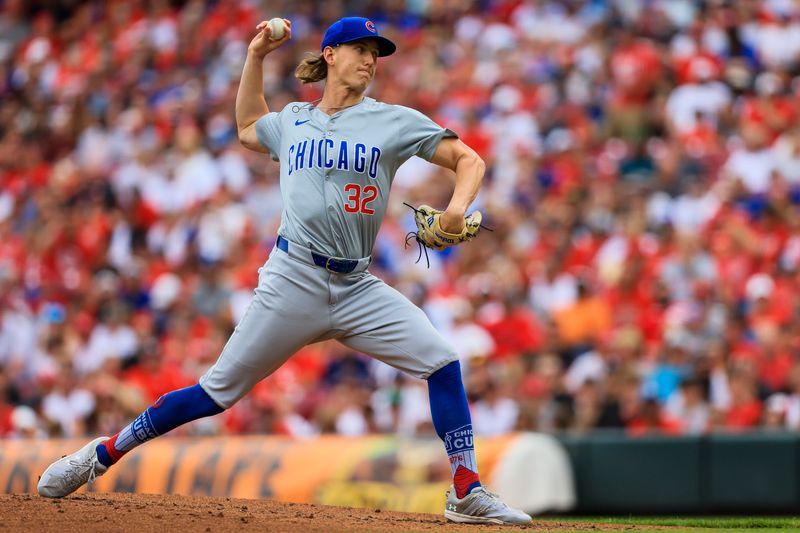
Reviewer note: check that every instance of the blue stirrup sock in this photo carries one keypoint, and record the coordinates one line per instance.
(168, 412)
(451, 419)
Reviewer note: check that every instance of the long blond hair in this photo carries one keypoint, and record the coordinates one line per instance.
(312, 69)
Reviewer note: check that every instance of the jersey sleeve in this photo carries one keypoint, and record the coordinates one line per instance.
(268, 131)
(419, 134)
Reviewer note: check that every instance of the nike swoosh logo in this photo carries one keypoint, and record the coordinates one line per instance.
(298, 122)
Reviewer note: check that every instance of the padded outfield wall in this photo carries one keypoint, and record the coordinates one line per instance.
(726, 473)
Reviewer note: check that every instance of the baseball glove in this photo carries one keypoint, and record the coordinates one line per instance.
(431, 235)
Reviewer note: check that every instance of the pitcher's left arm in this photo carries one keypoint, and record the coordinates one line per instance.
(453, 154)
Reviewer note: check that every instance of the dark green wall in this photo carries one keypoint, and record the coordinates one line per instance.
(743, 473)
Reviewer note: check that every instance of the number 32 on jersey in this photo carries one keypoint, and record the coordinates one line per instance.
(359, 198)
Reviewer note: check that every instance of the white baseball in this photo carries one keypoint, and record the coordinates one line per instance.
(277, 28)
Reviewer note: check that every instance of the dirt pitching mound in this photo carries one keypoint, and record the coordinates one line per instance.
(145, 513)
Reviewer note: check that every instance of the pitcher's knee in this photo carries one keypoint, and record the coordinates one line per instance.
(223, 390)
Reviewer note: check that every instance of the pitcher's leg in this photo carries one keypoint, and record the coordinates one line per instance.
(170, 411)
(467, 501)
(453, 424)
(260, 344)
(176, 408)
(284, 315)
(386, 325)
(379, 321)
(383, 323)
(288, 311)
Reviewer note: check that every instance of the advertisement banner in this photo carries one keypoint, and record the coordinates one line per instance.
(377, 471)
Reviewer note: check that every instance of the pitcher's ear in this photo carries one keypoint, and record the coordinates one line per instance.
(329, 55)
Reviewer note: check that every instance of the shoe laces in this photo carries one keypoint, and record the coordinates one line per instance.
(80, 468)
(489, 500)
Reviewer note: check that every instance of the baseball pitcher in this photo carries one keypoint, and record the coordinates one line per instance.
(337, 158)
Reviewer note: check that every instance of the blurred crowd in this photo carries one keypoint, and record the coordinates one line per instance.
(643, 181)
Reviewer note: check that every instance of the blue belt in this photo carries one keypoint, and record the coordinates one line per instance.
(331, 264)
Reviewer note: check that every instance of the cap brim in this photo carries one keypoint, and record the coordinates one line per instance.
(385, 46)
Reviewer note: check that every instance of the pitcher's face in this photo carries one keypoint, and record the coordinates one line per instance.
(355, 63)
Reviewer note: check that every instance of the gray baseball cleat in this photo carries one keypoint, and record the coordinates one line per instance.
(481, 507)
(71, 472)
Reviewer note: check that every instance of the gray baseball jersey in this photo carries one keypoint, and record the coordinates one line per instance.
(336, 172)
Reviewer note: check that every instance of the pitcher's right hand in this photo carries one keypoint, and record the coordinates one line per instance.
(261, 44)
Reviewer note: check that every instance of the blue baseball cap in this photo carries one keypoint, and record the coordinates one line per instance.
(349, 29)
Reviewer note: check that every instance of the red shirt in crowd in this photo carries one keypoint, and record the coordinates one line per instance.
(775, 113)
(636, 68)
(157, 379)
(743, 416)
(515, 333)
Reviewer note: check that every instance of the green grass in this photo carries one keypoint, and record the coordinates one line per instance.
(703, 524)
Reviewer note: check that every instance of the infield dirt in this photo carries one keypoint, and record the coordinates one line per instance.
(144, 513)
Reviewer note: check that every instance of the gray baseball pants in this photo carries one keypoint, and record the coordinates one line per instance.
(298, 303)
